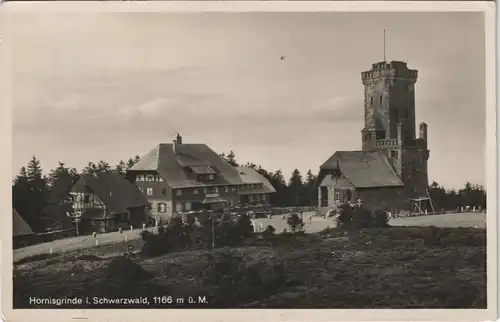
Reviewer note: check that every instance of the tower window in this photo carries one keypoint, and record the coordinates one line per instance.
(371, 100)
(380, 99)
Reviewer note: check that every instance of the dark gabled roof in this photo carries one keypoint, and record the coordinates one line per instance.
(251, 176)
(19, 226)
(363, 169)
(116, 192)
(177, 169)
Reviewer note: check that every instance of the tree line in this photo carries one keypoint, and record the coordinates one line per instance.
(44, 200)
(296, 191)
(472, 195)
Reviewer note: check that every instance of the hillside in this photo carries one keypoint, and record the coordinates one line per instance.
(397, 267)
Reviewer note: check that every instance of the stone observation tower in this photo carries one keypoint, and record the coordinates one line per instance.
(390, 123)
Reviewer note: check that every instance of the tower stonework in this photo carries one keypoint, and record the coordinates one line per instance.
(390, 124)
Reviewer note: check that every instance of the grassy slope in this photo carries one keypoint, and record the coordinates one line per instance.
(398, 267)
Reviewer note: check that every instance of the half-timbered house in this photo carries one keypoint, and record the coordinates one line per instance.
(106, 201)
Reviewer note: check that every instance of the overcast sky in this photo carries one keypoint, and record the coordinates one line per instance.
(108, 86)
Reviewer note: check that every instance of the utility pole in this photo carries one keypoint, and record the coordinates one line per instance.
(213, 232)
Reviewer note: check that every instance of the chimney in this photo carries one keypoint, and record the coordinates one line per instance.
(177, 141)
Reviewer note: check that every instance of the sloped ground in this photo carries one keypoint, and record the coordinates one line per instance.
(397, 267)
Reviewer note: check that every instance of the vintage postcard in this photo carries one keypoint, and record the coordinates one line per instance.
(173, 160)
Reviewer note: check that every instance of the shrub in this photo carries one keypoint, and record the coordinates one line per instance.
(295, 222)
(270, 230)
(357, 217)
(243, 227)
(124, 278)
(380, 219)
(233, 281)
(121, 269)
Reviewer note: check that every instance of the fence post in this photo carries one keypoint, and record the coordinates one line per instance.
(97, 242)
(125, 238)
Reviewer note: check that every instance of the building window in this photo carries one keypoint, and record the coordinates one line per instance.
(162, 208)
(380, 99)
(159, 179)
(226, 189)
(150, 207)
(337, 196)
(257, 198)
(196, 191)
(211, 177)
(150, 177)
(178, 207)
(140, 178)
(371, 100)
(187, 206)
(149, 191)
(141, 189)
(242, 187)
(164, 191)
(178, 192)
(250, 198)
(233, 188)
(216, 189)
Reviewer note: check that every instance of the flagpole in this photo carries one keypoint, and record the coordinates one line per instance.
(384, 45)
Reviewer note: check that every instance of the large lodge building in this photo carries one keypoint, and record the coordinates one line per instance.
(178, 177)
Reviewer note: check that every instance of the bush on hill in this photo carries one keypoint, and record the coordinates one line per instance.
(358, 217)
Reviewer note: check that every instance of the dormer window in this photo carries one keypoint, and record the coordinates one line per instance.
(140, 178)
(206, 177)
(150, 177)
(178, 192)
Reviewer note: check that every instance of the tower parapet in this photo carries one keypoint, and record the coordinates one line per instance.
(394, 69)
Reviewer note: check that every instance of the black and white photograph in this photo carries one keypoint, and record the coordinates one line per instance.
(252, 159)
